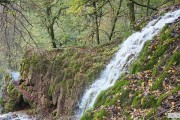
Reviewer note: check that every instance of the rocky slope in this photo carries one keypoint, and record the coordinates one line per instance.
(151, 89)
(53, 81)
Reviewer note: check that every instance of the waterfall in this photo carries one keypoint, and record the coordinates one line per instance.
(15, 75)
(127, 53)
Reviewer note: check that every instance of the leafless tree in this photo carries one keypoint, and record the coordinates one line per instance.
(12, 31)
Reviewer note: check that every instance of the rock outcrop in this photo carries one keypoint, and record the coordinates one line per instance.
(55, 80)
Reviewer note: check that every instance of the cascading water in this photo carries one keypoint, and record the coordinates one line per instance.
(127, 53)
(15, 75)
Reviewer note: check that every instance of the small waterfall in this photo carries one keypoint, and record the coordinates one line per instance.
(15, 75)
(126, 54)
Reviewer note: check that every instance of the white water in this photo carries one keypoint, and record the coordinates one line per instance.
(126, 54)
(20, 115)
(15, 75)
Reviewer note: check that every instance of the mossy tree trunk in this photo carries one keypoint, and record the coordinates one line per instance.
(96, 22)
(50, 27)
(148, 4)
(132, 18)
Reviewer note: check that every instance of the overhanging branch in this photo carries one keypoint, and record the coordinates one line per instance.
(4, 1)
(142, 5)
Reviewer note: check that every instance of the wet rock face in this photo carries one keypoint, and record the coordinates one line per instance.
(55, 80)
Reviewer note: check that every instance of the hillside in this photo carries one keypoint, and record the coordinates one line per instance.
(89, 59)
(151, 89)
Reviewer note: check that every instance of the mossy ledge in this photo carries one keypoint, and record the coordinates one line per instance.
(151, 89)
(56, 79)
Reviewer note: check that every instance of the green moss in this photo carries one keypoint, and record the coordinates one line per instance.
(138, 64)
(163, 30)
(158, 83)
(155, 71)
(9, 106)
(10, 87)
(88, 115)
(159, 101)
(165, 33)
(13, 98)
(100, 115)
(135, 68)
(7, 78)
(143, 23)
(123, 98)
(52, 89)
(165, 95)
(116, 89)
(100, 99)
(174, 60)
(148, 101)
(1, 101)
(63, 83)
(136, 102)
(157, 54)
(150, 114)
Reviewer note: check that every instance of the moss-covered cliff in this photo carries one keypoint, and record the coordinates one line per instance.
(11, 97)
(151, 89)
(54, 81)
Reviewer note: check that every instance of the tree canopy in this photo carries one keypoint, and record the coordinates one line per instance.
(56, 23)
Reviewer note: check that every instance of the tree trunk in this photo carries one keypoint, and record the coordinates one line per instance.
(115, 20)
(50, 27)
(174, 1)
(130, 6)
(52, 35)
(96, 23)
(148, 3)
